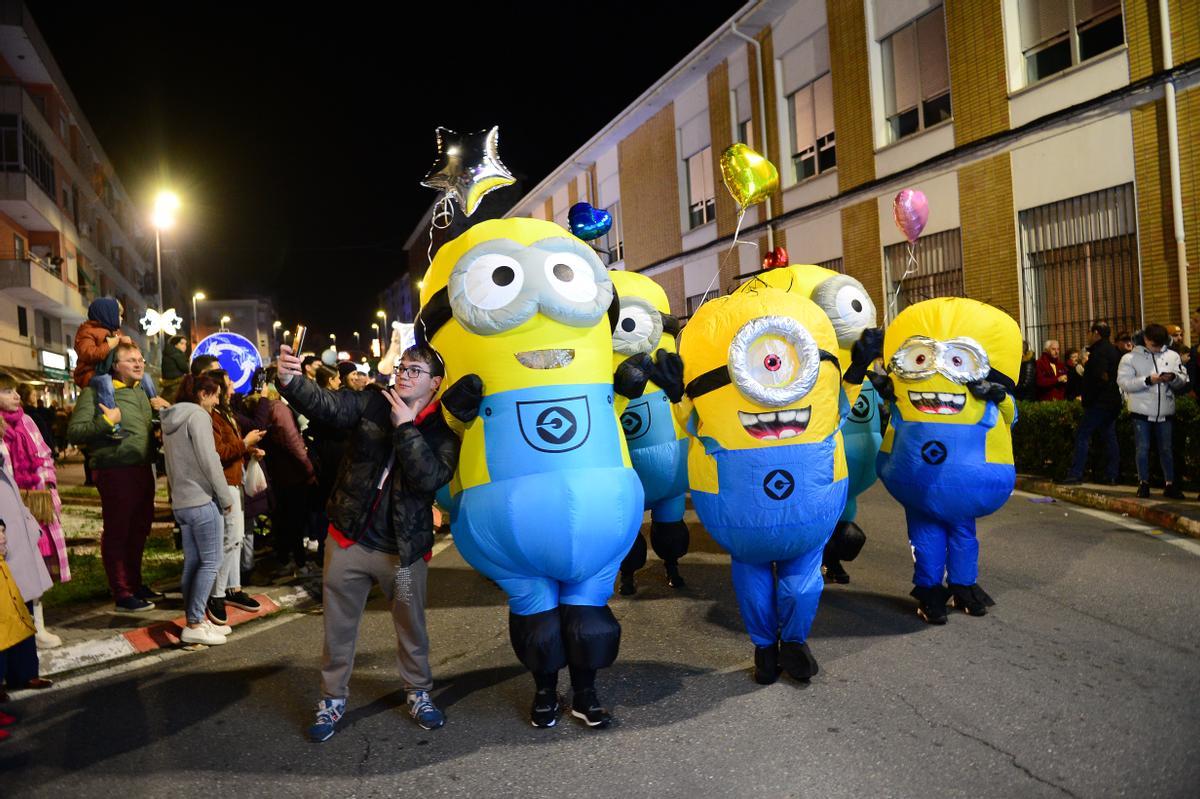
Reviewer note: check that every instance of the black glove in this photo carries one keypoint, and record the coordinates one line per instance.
(630, 378)
(464, 398)
(667, 373)
(862, 354)
(883, 386)
(987, 391)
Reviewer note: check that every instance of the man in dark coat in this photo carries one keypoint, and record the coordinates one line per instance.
(381, 519)
(1101, 404)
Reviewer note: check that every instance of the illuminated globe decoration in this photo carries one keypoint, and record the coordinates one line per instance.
(167, 322)
(237, 355)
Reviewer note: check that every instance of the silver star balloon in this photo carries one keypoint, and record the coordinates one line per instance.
(468, 166)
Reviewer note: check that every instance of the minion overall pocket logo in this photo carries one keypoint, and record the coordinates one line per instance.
(636, 420)
(779, 484)
(555, 425)
(861, 409)
(934, 453)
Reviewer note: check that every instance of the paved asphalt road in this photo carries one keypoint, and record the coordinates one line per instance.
(1083, 681)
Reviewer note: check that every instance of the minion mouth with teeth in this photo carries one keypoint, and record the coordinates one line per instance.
(765, 405)
(947, 453)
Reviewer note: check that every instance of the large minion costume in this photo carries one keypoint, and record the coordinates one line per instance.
(947, 453)
(849, 307)
(657, 442)
(544, 500)
(767, 466)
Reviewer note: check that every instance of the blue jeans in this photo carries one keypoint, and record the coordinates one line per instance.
(203, 533)
(1104, 421)
(106, 394)
(1161, 431)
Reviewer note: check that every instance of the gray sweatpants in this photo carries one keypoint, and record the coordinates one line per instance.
(348, 577)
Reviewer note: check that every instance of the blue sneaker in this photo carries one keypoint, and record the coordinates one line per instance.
(422, 709)
(329, 713)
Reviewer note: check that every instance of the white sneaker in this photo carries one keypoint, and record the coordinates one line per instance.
(204, 634)
(219, 629)
(47, 640)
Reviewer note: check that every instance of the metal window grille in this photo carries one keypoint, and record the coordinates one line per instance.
(938, 273)
(1079, 265)
(696, 300)
(612, 243)
(836, 264)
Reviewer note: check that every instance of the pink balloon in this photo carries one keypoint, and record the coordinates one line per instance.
(910, 209)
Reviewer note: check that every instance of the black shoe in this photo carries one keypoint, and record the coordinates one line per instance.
(149, 594)
(1069, 481)
(133, 604)
(931, 603)
(766, 664)
(1143, 491)
(545, 709)
(834, 573)
(587, 707)
(1171, 491)
(674, 578)
(798, 661)
(240, 599)
(971, 599)
(216, 611)
(628, 586)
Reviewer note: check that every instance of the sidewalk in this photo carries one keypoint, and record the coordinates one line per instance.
(1179, 516)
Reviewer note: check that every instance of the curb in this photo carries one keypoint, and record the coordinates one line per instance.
(160, 635)
(1146, 510)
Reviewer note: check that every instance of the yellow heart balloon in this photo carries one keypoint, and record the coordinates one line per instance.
(749, 177)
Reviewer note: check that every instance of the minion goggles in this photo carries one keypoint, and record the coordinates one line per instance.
(961, 360)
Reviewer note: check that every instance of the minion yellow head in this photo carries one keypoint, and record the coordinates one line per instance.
(645, 324)
(521, 303)
(934, 348)
(760, 371)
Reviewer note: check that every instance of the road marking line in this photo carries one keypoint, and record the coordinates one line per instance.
(1187, 544)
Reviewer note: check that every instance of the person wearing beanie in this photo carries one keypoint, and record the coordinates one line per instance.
(95, 344)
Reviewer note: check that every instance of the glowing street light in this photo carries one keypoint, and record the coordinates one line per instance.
(166, 204)
(199, 295)
(224, 321)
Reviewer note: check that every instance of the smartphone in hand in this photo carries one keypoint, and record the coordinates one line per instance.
(298, 340)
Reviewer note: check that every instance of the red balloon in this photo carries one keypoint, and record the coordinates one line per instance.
(775, 259)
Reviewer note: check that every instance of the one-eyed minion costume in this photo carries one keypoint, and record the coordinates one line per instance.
(657, 443)
(947, 453)
(544, 501)
(850, 308)
(767, 466)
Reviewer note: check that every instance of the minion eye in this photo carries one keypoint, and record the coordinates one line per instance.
(571, 276)
(855, 307)
(635, 324)
(774, 360)
(493, 281)
(963, 363)
(917, 357)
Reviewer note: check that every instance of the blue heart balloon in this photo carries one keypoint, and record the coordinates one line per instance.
(587, 222)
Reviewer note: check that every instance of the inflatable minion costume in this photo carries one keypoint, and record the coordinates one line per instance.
(544, 500)
(767, 467)
(657, 443)
(947, 453)
(846, 302)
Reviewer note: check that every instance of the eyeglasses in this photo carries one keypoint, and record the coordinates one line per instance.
(133, 360)
(412, 372)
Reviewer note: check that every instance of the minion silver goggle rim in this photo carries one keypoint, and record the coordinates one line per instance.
(939, 366)
(736, 369)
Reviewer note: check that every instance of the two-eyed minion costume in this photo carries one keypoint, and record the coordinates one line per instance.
(851, 311)
(947, 454)
(545, 500)
(767, 467)
(657, 443)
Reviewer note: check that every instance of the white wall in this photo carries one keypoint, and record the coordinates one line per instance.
(915, 149)
(814, 240)
(608, 178)
(1085, 82)
(1078, 161)
(698, 274)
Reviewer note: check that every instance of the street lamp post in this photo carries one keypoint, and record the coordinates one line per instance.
(378, 341)
(275, 332)
(383, 324)
(199, 295)
(224, 321)
(357, 341)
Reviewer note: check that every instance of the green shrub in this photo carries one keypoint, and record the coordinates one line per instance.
(1044, 442)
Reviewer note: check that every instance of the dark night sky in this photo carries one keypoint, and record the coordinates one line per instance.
(298, 138)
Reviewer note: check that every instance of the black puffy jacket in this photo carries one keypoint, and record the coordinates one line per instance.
(426, 454)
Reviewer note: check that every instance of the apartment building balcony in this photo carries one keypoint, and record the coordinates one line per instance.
(37, 284)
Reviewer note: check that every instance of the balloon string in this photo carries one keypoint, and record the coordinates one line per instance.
(732, 246)
(443, 215)
(909, 267)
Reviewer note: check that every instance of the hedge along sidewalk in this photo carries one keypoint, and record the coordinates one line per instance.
(1179, 516)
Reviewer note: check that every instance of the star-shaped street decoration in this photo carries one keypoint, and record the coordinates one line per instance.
(468, 166)
(167, 322)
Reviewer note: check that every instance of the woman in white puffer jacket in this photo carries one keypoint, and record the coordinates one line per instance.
(1150, 376)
